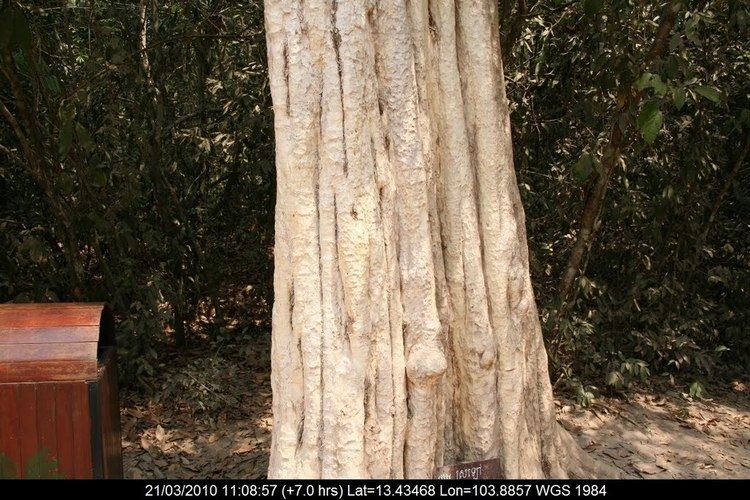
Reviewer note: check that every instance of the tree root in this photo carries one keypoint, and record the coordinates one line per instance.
(580, 464)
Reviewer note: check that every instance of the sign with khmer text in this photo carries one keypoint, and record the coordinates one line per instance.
(484, 469)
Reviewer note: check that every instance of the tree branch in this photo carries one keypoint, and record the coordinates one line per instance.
(612, 152)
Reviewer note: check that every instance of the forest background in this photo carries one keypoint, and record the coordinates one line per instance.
(137, 168)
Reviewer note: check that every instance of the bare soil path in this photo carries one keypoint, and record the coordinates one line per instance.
(210, 417)
(668, 435)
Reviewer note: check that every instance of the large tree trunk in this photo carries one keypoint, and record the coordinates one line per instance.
(405, 332)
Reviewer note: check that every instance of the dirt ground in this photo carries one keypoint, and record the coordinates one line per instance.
(649, 434)
(668, 435)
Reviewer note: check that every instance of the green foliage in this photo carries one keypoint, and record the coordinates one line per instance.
(629, 370)
(651, 81)
(708, 92)
(148, 181)
(7, 467)
(585, 395)
(655, 294)
(39, 466)
(696, 390)
(583, 167)
(679, 98)
(649, 121)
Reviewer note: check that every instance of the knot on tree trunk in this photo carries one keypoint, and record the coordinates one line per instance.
(425, 363)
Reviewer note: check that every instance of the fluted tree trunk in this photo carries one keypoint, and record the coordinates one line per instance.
(405, 332)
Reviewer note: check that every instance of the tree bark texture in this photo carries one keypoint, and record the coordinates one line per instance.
(405, 332)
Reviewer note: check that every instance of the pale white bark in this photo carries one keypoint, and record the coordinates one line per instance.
(405, 333)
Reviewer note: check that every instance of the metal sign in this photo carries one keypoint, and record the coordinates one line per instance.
(483, 469)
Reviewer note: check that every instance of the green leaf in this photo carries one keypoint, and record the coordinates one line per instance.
(658, 85)
(83, 137)
(643, 81)
(99, 178)
(655, 82)
(584, 397)
(583, 167)
(615, 379)
(678, 94)
(52, 85)
(7, 467)
(709, 93)
(41, 466)
(22, 62)
(649, 121)
(696, 390)
(65, 141)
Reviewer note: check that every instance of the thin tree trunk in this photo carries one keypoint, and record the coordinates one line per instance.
(617, 140)
(169, 206)
(405, 332)
(725, 190)
(39, 168)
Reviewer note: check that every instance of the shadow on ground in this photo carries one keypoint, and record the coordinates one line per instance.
(668, 435)
(210, 417)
